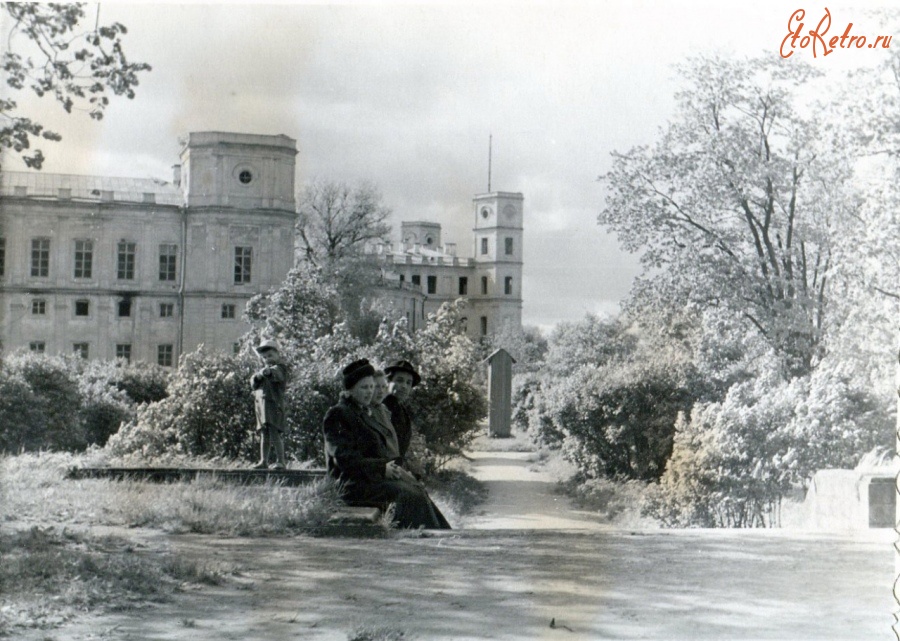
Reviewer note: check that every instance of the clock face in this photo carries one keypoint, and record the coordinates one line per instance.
(509, 211)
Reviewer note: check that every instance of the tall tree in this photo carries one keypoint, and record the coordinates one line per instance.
(335, 222)
(736, 205)
(50, 52)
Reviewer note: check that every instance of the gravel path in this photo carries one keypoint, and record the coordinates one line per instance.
(523, 496)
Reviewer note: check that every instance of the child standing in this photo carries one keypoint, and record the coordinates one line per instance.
(268, 386)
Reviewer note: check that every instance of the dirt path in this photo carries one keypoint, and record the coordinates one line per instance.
(523, 496)
(527, 560)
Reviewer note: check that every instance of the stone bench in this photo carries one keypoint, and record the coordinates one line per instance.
(351, 514)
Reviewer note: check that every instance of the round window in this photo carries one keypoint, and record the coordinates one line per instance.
(245, 176)
(485, 212)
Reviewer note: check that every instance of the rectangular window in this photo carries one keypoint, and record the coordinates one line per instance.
(2, 257)
(463, 285)
(37, 346)
(402, 278)
(82, 308)
(236, 348)
(243, 258)
(507, 285)
(509, 246)
(166, 310)
(167, 254)
(228, 310)
(81, 349)
(125, 262)
(124, 308)
(484, 245)
(84, 258)
(484, 284)
(484, 325)
(416, 280)
(39, 307)
(40, 257)
(164, 355)
(432, 284)
(123, 350)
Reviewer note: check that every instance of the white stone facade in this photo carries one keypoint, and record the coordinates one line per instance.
(422, 273)
(141, 268)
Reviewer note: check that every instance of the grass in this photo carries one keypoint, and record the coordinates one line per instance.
(455, 492)
(50, 574)
(34, 489)
(617, 502)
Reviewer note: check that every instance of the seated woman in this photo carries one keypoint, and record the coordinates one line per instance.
(358, 457)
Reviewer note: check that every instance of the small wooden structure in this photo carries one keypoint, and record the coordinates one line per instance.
(500, 393)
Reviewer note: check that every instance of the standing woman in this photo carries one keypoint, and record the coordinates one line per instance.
(358, 457)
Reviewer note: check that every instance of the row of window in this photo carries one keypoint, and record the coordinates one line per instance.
(431, 282)
(507, 246)
(126, 253)
(123, 308)
(165, 354)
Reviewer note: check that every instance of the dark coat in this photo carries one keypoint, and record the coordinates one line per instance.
(355, 448)
(401, 419)
(268, 385)
(356, 455)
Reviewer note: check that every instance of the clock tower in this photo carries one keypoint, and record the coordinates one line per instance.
(497, 296)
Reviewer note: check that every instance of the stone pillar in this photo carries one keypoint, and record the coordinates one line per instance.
(500, 393)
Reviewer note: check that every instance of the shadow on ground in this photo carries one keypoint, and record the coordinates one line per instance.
(701, 584)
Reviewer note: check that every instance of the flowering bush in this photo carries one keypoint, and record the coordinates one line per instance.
(734, 460)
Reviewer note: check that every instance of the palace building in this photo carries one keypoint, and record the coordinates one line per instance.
(424, 273)
(147, 269)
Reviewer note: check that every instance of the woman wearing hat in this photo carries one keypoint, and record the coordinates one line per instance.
(357, 455)
(402, 378)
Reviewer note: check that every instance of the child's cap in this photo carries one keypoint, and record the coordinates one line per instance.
(266, 345)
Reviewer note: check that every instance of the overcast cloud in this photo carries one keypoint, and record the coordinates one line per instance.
(406, 97)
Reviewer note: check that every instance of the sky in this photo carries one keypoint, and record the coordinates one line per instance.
(407, 95)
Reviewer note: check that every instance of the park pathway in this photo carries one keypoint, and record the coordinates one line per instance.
(522, 496)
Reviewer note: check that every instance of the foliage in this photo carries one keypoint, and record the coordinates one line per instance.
(450, 401)
(335, 224)
(53, 419)
(304, 308)
(734, 460)
(591, 341)
(618, 421)
(209, 411)
(738, 205)
(50, 52)
(21, 418)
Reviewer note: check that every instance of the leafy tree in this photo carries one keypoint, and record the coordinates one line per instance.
(50, 52)
(591, 341)
(738, 204)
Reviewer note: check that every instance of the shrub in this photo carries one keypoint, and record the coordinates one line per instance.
(209, 412)
(21, 419)
(54, 390)
(735, 460)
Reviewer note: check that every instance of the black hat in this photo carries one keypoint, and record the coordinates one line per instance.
(356, 371)
(403, 366)
(265, 346)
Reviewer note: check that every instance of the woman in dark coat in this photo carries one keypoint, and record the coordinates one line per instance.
(357, 456)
